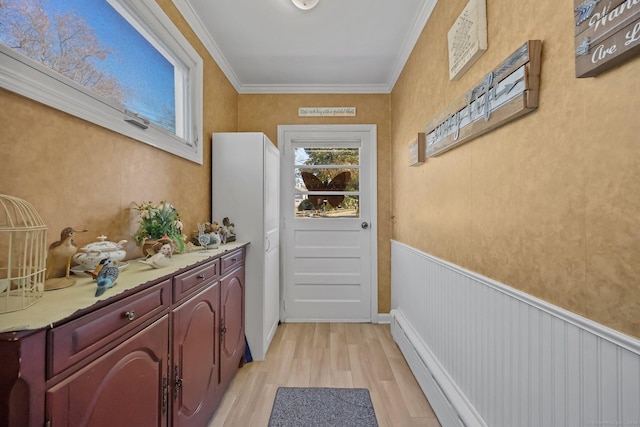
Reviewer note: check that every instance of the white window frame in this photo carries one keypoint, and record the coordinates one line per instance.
(28, 78)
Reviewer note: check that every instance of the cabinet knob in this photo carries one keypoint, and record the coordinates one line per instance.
(130, 315)
(201, 276)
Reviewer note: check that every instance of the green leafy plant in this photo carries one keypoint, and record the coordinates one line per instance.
(157, 221)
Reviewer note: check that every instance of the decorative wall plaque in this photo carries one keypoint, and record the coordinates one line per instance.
(606, 34)
(467, 38)
(506, 93)
(417, 150)
(326, 112)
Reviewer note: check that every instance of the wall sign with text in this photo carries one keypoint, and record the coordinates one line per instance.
(607, 33)
(504, 94)
(327, 112)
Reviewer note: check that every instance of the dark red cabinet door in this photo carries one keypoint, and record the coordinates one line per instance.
(232, 306)
(196, 348)
(124, 387)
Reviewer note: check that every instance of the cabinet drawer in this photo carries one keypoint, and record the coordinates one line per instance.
(80, 339)
(186, 283)
(232, 260)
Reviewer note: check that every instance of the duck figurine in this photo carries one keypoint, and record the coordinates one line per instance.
(161, 259)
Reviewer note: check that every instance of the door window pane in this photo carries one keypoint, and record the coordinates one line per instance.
(327, 182)
(349, 208)
(327, 156)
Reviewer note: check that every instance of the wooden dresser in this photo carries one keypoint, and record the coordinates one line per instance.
(159, 348)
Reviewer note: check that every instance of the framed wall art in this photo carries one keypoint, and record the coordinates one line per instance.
(467, 38)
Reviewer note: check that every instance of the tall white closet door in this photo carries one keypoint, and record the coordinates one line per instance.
(245, 187)
(272, 239)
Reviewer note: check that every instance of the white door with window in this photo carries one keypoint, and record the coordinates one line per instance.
(329, 242)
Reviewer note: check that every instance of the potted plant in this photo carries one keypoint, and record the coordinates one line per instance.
(158, 221)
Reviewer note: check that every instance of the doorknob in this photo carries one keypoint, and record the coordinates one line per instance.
(364, 225)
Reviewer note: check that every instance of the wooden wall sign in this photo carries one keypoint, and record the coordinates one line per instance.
(506, 93)
(467, 38)
(606, 34)
(417, 150)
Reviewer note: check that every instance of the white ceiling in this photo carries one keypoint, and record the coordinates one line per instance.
(340, 46)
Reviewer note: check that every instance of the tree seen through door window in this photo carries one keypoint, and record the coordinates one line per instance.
(335, 170)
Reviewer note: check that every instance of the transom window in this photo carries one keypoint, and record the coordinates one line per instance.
(121, 64)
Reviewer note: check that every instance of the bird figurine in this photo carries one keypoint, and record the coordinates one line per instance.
(161, 259)
(203, 238)
(107, 276)
(62, 249)
(214, 239)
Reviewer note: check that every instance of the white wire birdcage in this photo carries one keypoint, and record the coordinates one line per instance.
(23, 252)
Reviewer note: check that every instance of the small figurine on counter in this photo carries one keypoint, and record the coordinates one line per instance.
(222, 232)
(59, 260)
(63, 249)
(214, 239)
(164, 240)
(203, 236)
(211, 229)
(230, 235)
(107, 276)
(161, 259)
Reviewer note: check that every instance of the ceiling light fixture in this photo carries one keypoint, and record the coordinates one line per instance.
(305, 4)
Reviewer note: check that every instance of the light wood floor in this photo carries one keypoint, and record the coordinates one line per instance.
(353, 355)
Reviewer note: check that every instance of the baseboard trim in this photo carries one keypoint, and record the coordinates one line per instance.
(449, 403)
(384, 318)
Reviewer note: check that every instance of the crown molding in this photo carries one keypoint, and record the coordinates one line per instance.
(410, 42)
(184, 7)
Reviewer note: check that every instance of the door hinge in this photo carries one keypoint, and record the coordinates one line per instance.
(165, 394)
(177, 383)
(223, 331)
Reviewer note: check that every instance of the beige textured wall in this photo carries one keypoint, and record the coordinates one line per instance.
(263, 113)
(81, 175)
(548, 204)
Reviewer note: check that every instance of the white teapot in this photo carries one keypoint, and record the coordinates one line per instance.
(95, 252)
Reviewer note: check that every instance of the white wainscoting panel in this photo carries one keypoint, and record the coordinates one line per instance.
(486, 354)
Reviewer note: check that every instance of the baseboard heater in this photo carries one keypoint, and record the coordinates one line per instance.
(486, 354)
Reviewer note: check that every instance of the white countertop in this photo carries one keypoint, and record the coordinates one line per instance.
(57, 305)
